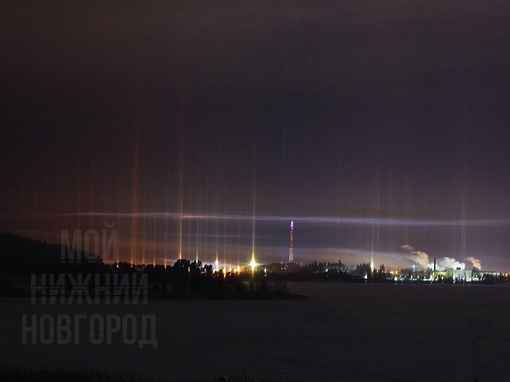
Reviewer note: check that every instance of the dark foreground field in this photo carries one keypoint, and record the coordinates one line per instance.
(376, 332)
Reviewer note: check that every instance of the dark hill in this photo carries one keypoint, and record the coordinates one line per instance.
(20, 255)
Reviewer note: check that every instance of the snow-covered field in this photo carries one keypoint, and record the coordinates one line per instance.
(343, 331)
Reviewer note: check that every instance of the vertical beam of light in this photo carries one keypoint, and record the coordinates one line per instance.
(376, 206)
(91, 193)
(92, 188)
(180, 236)
(225, 231)
(407, 201)
(11, 176)
(291, 242)
(181, 180)
(59, 185)
(165, 243)
(121, 256)
(285, 116)
(165, 225)
(372, 245)
(197, 240)
(134, 193)
(254, 210)
(206, 233)
(205, 239)
(378, 216)
(144, 224)
(34, 187)
(154, 237)
(338, 185)
(216, 188)
(463, 203)
(183, 127)
(136, 154)
(80, 159)
(217, 242)
(238, 244)
(190, 208)
(374, 229)
(190, 247)
(198, 197)
(454, 241)
(390, 192)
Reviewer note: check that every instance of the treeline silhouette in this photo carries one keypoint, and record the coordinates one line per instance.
(314, 271)
(22, 257)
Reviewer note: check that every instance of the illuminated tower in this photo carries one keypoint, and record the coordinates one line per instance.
(291, 243)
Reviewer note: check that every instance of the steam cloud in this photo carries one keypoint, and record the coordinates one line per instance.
(419, 257)
(477, 263)
(448, 263)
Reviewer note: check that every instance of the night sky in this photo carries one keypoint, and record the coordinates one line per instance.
(188, 126)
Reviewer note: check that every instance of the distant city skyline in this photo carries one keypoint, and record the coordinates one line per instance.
(229, 239)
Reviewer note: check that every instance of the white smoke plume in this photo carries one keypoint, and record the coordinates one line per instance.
(407, 247)
(419, 257)
(477, 263)
(444, 263)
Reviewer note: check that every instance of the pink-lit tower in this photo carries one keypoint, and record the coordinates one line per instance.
(291, 243)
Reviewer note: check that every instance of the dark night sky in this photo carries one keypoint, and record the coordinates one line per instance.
(371, 124)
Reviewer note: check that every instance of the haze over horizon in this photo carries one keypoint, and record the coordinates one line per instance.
(193, 128)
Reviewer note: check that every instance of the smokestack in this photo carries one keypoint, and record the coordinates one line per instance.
(434, 264)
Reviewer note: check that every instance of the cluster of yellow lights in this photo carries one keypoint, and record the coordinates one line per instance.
(227, 270)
